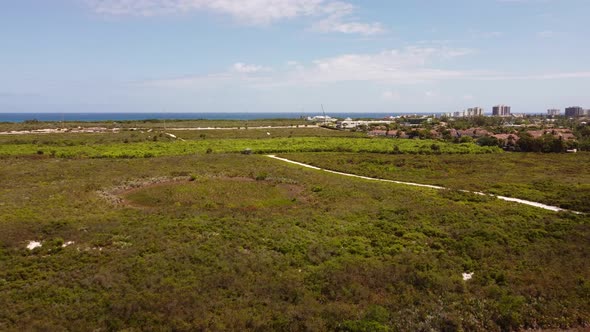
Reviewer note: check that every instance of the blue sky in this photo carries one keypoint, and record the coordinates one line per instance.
(293, 55)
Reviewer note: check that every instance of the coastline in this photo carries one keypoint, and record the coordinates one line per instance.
(14, 117)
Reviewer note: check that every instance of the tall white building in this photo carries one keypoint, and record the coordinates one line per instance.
(474, 111)
(470, 112)
(501, 110)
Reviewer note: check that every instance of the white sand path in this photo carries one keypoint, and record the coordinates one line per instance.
(504, 198)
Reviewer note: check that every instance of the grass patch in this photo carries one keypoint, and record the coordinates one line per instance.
(554, 179)
(216, 193)
(171, 147)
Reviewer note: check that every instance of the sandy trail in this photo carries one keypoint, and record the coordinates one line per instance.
(504, 198)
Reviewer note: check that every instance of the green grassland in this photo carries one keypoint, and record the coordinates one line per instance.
(188, 240)
(558, 180)
(171, 146)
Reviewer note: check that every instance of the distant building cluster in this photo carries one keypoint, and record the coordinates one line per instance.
(576, 111)
(417, 120)
(322, 118)
(474, 111)
(506, 111)
(348, 123)
(501, 110)
(535, 133)
(470, 112)
(475, 133)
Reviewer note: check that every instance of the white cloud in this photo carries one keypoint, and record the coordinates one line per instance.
(546, 76)
(338, 20)
(331, 25)
(243, 68)
(545, 34)
(238, 73)
(408, 65)
(430, 94)
(476, 34)
(257, 12)
(334, 15)
(390, 95)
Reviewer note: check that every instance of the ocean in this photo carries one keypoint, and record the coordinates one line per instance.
(21, 117)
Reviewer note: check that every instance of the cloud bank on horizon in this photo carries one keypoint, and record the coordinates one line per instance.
(286, 55)
(332, 16)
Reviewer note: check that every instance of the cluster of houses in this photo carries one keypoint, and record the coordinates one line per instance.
(348, 123)
(474, 133)
(413, 127)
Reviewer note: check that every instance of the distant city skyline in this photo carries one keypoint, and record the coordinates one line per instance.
(293, 55)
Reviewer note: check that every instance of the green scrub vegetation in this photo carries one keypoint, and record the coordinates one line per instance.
(170, 147)
(189, 240)
(558, 180)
